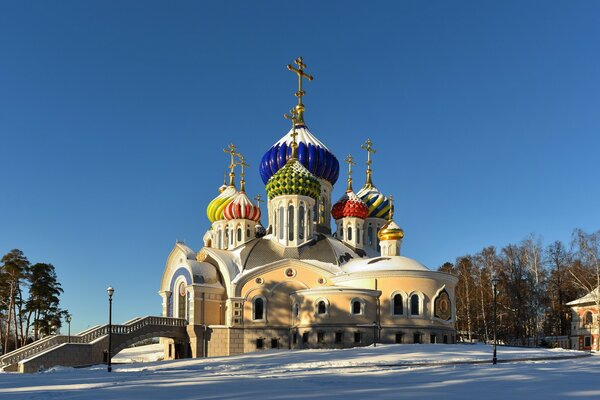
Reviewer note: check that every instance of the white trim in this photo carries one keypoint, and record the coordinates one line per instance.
(404, 303)
(316, 306)
(421, 297)
(363, 306)
(264, 313)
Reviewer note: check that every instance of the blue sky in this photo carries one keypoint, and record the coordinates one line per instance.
(113, 116)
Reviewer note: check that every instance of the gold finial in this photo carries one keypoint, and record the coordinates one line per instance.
(242, 163)
(222, 188)
(391, 214)
(350, 161)
(293, 116)
(259, 200)
(231, 150)
(368, 146)
(301, 74)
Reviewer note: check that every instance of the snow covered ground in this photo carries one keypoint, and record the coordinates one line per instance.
(385, 372)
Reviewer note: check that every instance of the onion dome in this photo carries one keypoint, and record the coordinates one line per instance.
(241, 208)
(390, 231)
(215, 208)
(312, 154)
(349, 205)
(293, 179)
(379, 205)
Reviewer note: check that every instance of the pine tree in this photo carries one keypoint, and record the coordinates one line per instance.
(15, 268)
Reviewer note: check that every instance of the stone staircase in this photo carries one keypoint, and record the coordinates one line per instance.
(89, 346)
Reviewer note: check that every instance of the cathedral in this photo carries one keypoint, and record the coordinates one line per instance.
(293, 283)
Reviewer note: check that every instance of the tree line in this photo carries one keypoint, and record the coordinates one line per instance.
(29, 301)
(533, 282)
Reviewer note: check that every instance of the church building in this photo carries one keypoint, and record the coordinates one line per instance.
(293, 283)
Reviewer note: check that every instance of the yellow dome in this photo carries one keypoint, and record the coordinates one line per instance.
(215, 208)
(390, 231)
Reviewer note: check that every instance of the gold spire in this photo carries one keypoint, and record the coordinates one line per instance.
(368, 146)
(391, 213)
(301, 74)
(293, 116)
(350, 161)
(242, 163)
(231, 151)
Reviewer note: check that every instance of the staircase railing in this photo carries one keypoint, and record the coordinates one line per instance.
(87, 337)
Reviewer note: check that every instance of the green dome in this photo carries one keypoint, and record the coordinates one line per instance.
(293, 178)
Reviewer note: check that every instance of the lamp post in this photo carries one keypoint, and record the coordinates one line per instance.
(494, 285)
(110, 292)
(68, 319)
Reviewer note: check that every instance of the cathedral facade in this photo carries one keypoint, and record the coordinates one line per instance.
(296, 283)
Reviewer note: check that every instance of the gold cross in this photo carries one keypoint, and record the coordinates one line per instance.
(368, 146)
(350, 161)
(258, 199)
(293, 116)
(391, 207)
(301, 74)
(231, 151)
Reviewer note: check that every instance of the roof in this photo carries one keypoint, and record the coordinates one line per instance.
(324, 249)
(591, 297)
(388, 263)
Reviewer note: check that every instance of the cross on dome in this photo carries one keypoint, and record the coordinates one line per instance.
(350, 161)
(258, 199)
(301, 74)
(391, 214)
(231, 150)
(368, 146)
(242, 163)
(293, 116)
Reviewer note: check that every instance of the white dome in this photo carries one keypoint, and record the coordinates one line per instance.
(387, 263)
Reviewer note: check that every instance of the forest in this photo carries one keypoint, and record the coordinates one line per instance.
(29, 301)
(533, 284)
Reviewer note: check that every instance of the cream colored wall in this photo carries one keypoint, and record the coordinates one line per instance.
(339, 311)
(276, 288)
(388, 285)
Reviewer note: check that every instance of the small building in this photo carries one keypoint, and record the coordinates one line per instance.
(584, 322)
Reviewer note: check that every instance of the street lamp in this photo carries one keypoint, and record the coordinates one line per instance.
(68, 319)
(110, 292)
(494, 285)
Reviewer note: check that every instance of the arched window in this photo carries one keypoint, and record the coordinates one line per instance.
(588, 318)
(247, 232)
(258, 309)
(370, 235)
(398, 306)
(239, 234)
(356, 307)
(321, 307)
(357, 235)
(290, 222)
(226, 236)
(414, 304)
(301, 221)
(281, 218)
(296, 310)
(182, 301)
(349, 233)
(341, 232)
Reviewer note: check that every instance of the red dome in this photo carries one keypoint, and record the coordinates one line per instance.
(241, 208)
(350, 205)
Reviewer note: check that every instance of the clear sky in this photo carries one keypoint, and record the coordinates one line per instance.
(113, 116)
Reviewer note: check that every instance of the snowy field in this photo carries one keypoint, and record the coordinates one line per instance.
(385, 372)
